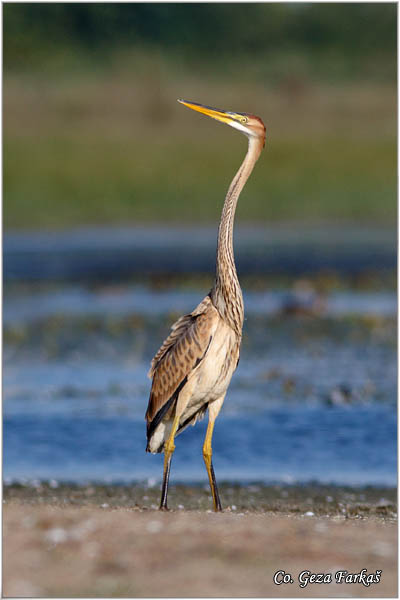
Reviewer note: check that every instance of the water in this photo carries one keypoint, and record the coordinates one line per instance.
(314, 397)
(114, 254)
(140, 299)
(295, 444)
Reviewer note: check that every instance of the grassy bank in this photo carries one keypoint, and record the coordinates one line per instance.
(110, 147)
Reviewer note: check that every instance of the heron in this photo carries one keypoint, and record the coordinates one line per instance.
(192, 370)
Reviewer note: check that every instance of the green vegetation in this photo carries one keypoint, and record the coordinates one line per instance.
(93, 133)
(358, 40)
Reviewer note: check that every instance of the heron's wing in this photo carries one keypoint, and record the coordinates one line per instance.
(182, 351)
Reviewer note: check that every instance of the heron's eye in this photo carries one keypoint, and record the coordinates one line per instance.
(243, 120)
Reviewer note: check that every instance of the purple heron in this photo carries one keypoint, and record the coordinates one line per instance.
(193, 368)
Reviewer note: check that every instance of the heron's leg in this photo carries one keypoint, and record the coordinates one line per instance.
(168, 451)
(213, 410)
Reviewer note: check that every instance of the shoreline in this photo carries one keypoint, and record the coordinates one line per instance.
(379, 502)
(109, 541)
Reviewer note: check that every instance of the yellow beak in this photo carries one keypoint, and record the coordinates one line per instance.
(214, 113)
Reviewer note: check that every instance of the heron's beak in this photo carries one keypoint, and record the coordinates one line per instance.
(214, 113)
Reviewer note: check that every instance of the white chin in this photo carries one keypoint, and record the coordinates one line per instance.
(240, 127)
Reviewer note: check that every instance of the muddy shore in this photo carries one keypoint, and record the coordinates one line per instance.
(85, 541)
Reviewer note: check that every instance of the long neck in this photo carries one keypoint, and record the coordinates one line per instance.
(226, 293)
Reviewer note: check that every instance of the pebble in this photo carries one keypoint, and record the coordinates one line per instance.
(383, 503)
(382, 549)
(309, 513)
(154, 526)
(29, 521)
(57, 535)
(92, 549)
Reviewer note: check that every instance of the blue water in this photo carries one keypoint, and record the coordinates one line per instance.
(140, 299)
(313, 398)
(352, 445)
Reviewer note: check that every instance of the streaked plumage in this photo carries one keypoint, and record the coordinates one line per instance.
(193, 368)
(175, 365)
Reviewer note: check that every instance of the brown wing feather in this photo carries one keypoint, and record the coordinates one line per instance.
(180, 353)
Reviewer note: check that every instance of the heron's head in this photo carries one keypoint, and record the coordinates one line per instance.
(250, 125)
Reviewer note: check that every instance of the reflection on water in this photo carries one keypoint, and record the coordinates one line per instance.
(313, 397)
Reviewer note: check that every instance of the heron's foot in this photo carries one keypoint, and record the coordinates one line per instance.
(164, 508)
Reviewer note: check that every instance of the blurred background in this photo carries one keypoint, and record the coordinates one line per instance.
(112, 197)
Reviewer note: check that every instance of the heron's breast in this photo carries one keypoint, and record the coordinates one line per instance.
(215, 371)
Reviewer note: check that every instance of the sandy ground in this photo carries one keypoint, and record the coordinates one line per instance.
(109, 541)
